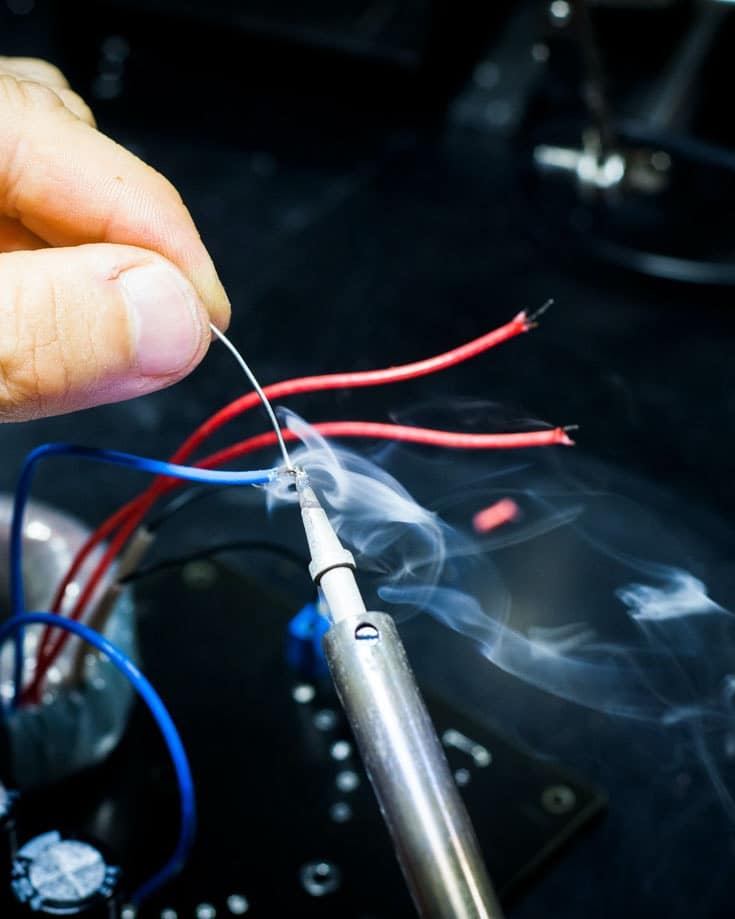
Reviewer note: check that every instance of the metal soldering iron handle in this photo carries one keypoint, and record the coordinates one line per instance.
(430, 826)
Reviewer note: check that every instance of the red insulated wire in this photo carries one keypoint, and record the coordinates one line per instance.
(379, 431)
(518, 325)
(102, 532)
(48, 654)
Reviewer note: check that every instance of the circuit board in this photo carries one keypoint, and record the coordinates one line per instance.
(288, 824)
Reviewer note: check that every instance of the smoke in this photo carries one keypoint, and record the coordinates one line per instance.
(680, 594)
(391, 535)
(567, 599)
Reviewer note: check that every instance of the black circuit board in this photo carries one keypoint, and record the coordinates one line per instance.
(288, 824)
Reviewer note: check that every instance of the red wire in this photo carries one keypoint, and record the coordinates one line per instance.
(102, 532)
(48, 654)
(519, 324)
(365, 429)
(377, 430)
(516, 326)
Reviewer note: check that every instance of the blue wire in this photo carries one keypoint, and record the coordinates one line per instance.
(151, 698)
(157, 467)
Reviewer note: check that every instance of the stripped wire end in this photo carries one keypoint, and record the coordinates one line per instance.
(531, 320)
(564, 436)
(299, 479)
(120, 526)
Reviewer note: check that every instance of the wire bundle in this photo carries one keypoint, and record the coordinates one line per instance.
(121, 526)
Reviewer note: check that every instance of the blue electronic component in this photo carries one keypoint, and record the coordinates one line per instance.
(304, 642)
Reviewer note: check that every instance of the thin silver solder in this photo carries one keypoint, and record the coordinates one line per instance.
(259, 390)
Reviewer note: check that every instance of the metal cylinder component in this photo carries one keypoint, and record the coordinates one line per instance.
(76, 726)
(341, 593)
(54, 875)
(8, 835)
(431, 829)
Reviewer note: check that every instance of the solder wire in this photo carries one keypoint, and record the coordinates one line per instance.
(258, 389)
(135, 510)
(127, 518)
(171, 736)
(260, 394)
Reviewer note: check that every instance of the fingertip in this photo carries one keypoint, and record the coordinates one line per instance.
(221, 312)
(168, 323)
(212, 292)
(93, 324)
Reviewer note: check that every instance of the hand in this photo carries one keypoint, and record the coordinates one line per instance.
(106, 289)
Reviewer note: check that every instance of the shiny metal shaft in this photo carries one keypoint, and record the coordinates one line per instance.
(431, 829)
(332, 566)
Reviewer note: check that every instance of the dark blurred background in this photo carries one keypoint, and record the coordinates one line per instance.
(384, 164)
(378, 181)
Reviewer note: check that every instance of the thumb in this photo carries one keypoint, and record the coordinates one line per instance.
(93, 324)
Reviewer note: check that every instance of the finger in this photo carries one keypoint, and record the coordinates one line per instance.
(38, 71)
(14, 236)
(33, 68)
(77, 106)
(71, 185)
(91, 325)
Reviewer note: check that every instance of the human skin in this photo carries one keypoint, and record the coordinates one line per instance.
(106, 289)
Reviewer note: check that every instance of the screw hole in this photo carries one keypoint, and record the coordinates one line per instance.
(366, 631)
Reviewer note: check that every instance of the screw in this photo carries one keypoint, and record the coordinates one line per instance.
(340, 812)
(558, 799)
(325, 719)
(303, 693)
(560, 11)
(237, 904)
(347, 780)
(320, 878)
(366, 631)
(462, 777)
(341, 750)
(199, 575)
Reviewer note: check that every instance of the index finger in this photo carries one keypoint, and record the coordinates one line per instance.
(70, 185)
